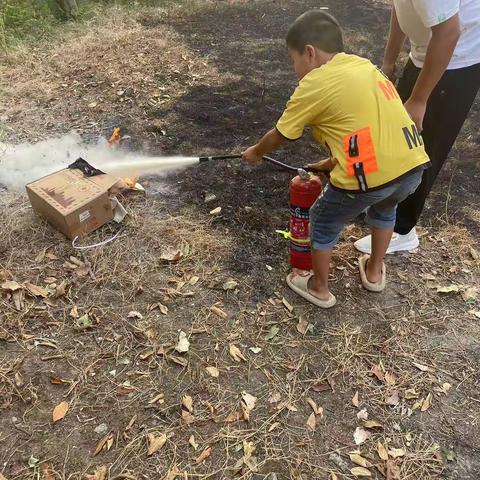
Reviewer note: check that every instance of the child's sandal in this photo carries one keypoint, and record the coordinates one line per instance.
(371, 287)
(299, 284)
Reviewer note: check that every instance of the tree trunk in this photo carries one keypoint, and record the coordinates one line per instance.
(69, 7)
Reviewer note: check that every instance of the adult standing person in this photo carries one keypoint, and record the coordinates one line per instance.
(438, 87)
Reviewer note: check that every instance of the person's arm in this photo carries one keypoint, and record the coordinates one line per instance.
(396, 39)
(268, 143)
(439, 53)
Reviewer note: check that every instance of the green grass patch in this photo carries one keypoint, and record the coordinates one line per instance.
(30, 21)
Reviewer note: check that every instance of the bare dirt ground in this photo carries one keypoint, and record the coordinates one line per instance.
(270, 387)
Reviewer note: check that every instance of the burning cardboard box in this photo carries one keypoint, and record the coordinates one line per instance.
(76, 200)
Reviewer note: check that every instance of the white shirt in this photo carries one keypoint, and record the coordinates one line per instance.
(417, 17)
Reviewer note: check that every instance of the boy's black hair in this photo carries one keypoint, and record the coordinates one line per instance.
(316, 28)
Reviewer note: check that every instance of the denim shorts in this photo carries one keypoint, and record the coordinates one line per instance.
(334, 209)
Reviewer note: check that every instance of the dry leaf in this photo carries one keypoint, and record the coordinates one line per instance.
(36, 291)
(362, 414)
(390, 379)
(180, 360)
(426, 403)
(316, 409)
(333, 476)
(187, 402)
(289, 407)
(396, 452)
(74, 312)
(361, 472)
(361, 436)
(155, 442)
(183, 344)
(60, 411)
(359, 460)
(218, 311)
(422, 368)
(355, 401)
(157, 398)
(131, 422)
(171, 255)
(230, 285)
(382, 451)
(163, 308)
(100, 473)
(192, 442)
(443, 389)
(273, 426)
(449, 289)
(372, 424)
(213, 372)
(393, 470)
(102, 443)
(312, 422)
(249, 400)
(11, 286)
(18, 299)
(378, 372)
(393, 399)
(411, 393)
(233, 417)
(47, 472)
(235, 353)
(303, 326)
(19, 382)
(287, 305)
(61, 289)
(204, 455)
(475, 313)
(470, 294)
(187, 417)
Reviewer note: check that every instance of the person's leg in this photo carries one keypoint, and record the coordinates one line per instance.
(328, 216)
(447, 110)
(380, 240)
(381, 218)
(318, 284)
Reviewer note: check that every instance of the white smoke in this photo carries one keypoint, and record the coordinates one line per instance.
(22, 164)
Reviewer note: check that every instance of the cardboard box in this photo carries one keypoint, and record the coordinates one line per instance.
(72, 202)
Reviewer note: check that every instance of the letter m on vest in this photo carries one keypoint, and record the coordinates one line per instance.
(412, 137)
(388, 89)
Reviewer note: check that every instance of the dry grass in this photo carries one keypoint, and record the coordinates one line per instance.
(136, 68)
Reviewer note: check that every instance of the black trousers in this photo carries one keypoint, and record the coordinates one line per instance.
(447, 109)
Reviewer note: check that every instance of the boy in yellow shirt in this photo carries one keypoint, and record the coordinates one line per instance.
(376, 154)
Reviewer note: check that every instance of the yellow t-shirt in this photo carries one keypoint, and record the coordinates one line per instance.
(355, 111)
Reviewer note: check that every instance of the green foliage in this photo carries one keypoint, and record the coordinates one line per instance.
(23, 21)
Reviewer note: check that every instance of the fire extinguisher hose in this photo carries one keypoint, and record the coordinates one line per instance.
(271, 160)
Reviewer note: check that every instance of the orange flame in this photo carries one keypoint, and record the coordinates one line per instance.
(115, 138)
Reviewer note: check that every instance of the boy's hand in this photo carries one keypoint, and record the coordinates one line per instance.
(251, 155)
(416, 109)
(389, 71)
(325, 165)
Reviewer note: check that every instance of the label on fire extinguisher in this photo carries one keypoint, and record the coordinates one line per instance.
(299, 228)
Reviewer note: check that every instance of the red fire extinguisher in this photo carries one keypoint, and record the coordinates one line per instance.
(305, 188)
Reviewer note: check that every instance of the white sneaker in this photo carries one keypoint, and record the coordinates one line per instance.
(398, 243)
